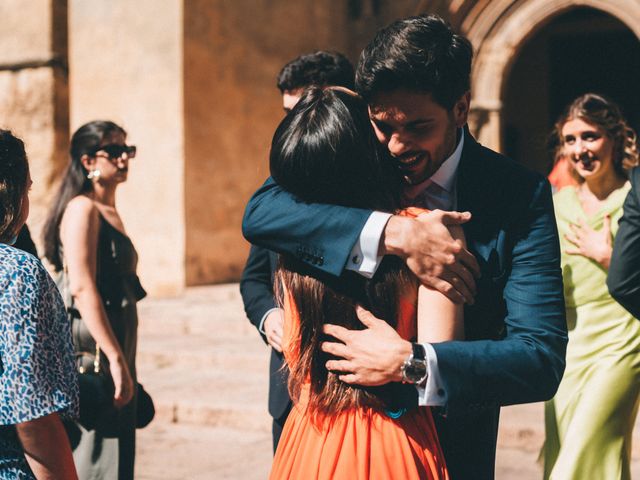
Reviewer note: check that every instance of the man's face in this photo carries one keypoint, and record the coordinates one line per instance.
(419, 133)
(290, 98)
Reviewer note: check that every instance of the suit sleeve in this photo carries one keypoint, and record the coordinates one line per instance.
(527, 364)
(624, 272)
(256, 286)
(319, 235)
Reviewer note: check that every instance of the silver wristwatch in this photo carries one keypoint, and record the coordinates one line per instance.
(414, 369)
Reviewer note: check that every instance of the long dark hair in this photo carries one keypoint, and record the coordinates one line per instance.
(14, 170)
(602, 112)
(325, 151)
(74, 182)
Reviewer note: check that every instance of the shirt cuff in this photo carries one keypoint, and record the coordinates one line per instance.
(264, 317)
(364, 258)
(432, 393)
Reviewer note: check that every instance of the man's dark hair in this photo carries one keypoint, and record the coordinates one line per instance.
(420, 54)
(316, 69)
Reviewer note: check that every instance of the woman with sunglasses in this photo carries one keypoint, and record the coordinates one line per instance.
(86, 240)
(590, 420)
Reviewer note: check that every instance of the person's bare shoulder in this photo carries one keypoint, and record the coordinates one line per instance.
(80, 205)
(81, 214)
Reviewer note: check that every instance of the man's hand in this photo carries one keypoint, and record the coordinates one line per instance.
(590, 243)
(438, 259)
(273, 325)
(370, 357)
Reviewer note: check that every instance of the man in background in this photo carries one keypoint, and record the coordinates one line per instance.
(256, 286)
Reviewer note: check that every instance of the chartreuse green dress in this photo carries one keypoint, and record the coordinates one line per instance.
(590, 420)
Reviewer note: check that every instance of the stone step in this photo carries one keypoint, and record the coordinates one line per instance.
(205, 393)
(225, 352)
(204, 364)
(207, 370)
(199, 452)
(204, 311)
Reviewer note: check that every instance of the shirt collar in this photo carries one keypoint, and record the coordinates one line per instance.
(445, 176)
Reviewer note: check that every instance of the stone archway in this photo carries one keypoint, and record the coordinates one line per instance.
(497, 31)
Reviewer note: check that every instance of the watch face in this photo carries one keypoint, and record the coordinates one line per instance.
(415, 371)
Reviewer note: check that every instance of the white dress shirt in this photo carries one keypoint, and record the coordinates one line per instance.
(437, 192)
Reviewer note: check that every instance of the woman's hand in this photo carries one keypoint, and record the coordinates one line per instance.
(122, 381)
(590, 243)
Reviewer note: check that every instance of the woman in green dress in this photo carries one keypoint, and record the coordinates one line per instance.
(590, 420)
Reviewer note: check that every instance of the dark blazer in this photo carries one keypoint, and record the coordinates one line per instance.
(256, 288)
(624, 272)
(516, 332)
(25, 242)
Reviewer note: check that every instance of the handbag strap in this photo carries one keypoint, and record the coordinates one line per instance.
(70, 307)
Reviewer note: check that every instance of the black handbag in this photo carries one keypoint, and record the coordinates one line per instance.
(145, 410)
(96, 388)
(96, 391)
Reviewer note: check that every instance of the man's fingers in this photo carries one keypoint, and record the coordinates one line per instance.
(350, 378)
(366, 317)
(276, 344)
(336, 349)
(447, 290)
(460, 271)
(466, 258)
(336, 331)
(573, 251)
(455, 218)
(339, 366)
(274, 337)
(460, 286)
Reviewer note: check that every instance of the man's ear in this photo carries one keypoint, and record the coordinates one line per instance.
(461, 109)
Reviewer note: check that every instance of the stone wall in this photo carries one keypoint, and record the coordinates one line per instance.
(34, 92)
(126, 65)
(193, 82)
(233, 52)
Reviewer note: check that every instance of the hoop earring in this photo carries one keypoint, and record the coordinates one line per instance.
(93, 174)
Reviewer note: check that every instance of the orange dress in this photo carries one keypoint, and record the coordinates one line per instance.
(361, 443)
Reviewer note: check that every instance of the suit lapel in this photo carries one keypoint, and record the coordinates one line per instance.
(478, 193)
(474, 190)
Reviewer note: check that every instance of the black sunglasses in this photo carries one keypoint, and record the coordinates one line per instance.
(115, 151)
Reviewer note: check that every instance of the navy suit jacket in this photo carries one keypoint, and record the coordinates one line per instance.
(624, 272)
(256, 288)
(515, 332)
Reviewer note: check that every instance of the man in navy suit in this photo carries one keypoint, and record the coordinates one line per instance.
(256, 286)
(623, 279)
(415, 75)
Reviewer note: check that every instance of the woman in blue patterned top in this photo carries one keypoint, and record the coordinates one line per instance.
(38, 381)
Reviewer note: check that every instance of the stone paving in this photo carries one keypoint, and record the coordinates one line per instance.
(207, 370)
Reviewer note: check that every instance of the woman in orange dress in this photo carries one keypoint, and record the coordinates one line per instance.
(325, 151)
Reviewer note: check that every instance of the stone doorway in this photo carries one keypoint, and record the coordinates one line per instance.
(578, 51)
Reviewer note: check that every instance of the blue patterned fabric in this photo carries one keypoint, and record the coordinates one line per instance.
(37, 371)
